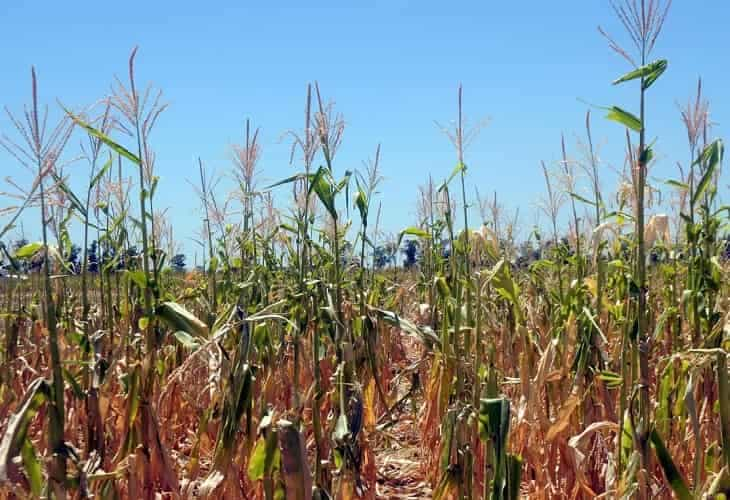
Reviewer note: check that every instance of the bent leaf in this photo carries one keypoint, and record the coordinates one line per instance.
(624, 117)
(459, 168)
(649, 72)
(710, 157)
(674, 477)
(29, 250)
(14, 441)
(181, 319)
(104, 138)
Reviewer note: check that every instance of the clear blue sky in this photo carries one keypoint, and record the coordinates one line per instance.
(392, 67)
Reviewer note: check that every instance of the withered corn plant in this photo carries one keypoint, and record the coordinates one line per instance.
(314, 357)
(39, 152)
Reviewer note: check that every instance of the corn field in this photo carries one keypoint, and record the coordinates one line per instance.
(302, 361)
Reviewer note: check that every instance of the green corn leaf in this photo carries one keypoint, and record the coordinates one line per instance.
(412, 231)
(14, 441)
(256, 460)
(459, 168)
(264, 457)
(138, 277)
(181, 319)
(582, 199)
(361, 202)
(104, 138)
(75, 201)
(153, 186)
(711, 157)
(323, 188)
(506, 286)
(288, 180)
(646, 156)
(494, 416)
(29, 250)
(624, 117)
(104, 169)
(677, 184)
(674, 477)
(514, 474)
(612, 379)
(649, 72)
(443, 287)
(33, 469)
(187, 340)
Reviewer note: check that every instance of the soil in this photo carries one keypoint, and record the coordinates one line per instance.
(399, 456)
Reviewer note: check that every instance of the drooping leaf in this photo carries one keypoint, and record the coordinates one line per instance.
(104, 169)
(361, 202)
(710, 158)
(75, 201)
(625, 118)
(677, 184)
(181, 319)
(582, 199)
(104, 138)
(29, 250)
(323, 188)
(650, 72)
(671, 472)
(33, 468)
(187, 340)
(423, 333)
(459, 168)
(14, 441)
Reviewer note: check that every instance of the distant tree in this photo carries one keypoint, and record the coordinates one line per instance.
(412, 252)
(446, 249)
(93, 257)
(177, 263)
(127, 258)
(73, 260)
(384, 255)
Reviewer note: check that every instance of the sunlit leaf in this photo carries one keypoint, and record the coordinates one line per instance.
(29, 250)
(649, 72)
(104, 138)
(709, 159)
(181, 319)
(624, 117)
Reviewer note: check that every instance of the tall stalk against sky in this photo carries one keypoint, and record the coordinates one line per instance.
(39, 152)
(139, 114)
(204, 189)
(92, 155)
(643, 20)
(245, 160)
